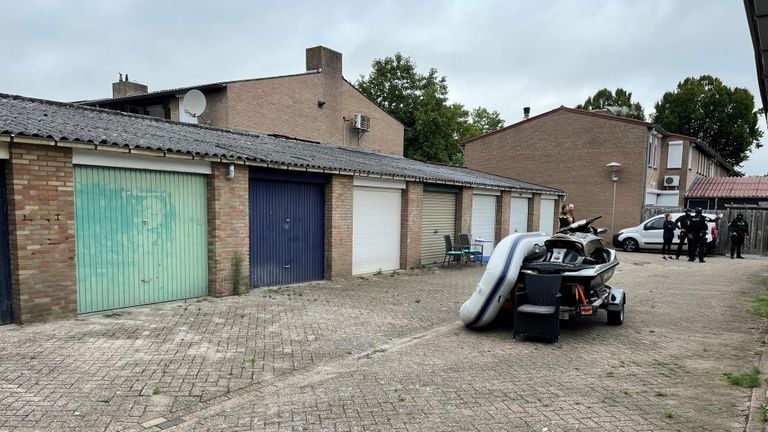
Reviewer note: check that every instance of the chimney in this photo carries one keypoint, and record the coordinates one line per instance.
(324, 59)
(526, 112)
(126, 88)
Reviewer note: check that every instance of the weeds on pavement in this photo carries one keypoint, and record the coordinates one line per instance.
(748, 379)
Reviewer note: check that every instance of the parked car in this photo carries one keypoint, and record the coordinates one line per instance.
(649, 234)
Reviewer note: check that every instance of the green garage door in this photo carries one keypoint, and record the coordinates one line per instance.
(141, 237)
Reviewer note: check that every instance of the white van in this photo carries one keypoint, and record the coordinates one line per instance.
(649, 234)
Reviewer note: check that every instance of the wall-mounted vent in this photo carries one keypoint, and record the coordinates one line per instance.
(361, 122)
(671, 180)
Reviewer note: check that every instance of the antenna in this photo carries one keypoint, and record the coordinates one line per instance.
(193, 103)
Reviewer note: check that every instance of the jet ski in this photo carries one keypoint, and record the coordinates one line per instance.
(575, 252)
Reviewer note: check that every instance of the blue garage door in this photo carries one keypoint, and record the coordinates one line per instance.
(5, 261)
(287, 230)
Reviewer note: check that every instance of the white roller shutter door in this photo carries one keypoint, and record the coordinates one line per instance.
(438, 220)
(547, 216)
(518, 215)
(375, 229)
(484, 221)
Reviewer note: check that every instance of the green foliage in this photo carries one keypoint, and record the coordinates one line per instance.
(433, 126)
(619, 102)
(705, 108)
(668, 413)
(748, 379)
(760, 306)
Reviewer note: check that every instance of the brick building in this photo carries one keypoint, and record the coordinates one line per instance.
(318, 105)
(107, 209)
(570, 149)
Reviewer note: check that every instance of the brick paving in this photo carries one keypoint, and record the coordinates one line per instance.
(387, 352)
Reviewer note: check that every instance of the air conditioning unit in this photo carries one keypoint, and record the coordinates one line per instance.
(671, 180)
(361, 122)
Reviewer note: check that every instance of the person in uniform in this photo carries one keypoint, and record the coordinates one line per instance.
(668, 236)
(564, 216)
(697, 236)
(682, 223)
(738, 228)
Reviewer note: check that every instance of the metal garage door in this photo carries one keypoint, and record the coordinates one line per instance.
(5, 261)
(518, 215)
(286, 228)
(547, 215)
(438, 219)
(141, 237)
(484, 221)
(375, 229)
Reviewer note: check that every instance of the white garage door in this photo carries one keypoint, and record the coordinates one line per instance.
(484, 221)
(438, 220)
(547, 215)
(518, 215)
(375, 229)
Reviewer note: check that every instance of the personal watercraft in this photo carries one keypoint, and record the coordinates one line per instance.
(575, 252)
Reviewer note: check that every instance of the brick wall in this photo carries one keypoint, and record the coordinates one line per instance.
(569, 151)
(338, 227)
(502, 215)
(289, 106)
(464, 211)
(410, 225)
(41, 218)
(228, 229)
(534, 210)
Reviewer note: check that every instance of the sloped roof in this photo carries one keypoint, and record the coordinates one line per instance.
(729, 187)
(68, 122)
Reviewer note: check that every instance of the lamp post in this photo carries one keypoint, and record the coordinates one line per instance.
(614, 167)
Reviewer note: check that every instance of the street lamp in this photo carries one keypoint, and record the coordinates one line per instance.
(614, 167)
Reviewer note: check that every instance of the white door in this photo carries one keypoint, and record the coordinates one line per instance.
(484, 222)
(375, 229)
(518, 215)
(438, 220)
(547, 216)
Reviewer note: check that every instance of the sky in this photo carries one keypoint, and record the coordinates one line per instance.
(502, 55)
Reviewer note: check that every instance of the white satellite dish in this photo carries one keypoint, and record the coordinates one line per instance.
(193, 103)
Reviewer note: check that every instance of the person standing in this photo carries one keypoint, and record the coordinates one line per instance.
(669, 234)
(739, 229)
(570, 212)
(697, 236)
(682, 223)
(564, 216)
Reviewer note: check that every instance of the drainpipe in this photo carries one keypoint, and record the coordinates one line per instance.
(645, 170)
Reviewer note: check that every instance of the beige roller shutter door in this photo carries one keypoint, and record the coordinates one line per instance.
(438, 220)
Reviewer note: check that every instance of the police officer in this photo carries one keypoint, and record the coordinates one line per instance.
(738, 229)
(682, 224)
(697, 236)
(564, 217)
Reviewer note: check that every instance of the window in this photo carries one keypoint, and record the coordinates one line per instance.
(654, 224)
(653, 151)
(690, 157)
(675, 154)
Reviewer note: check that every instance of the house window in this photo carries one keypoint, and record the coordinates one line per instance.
(675, 154)
(690, 157)
(653, 152)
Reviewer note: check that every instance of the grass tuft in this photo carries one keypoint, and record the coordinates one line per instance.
(748, 379)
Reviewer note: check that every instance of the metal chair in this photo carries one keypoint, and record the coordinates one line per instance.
(470, 250)
(537, 308)
(450, 252)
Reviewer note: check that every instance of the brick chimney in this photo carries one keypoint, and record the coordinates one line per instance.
(127, 88)
(324, 59)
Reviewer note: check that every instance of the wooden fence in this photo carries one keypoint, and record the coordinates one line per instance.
(757, 241)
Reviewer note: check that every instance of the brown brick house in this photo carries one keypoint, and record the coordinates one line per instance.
(318, 105)
(570, 149)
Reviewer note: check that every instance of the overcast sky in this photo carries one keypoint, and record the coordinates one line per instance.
(502, 55)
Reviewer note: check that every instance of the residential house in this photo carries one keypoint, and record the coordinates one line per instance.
(571, 149)
(107, 209)
(318, 105)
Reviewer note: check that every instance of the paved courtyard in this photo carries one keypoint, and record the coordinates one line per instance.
(387, 352)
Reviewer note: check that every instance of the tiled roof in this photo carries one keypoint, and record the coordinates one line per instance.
(68, 122)
(729, 187)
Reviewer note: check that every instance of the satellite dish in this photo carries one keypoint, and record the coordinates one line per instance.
(193, 103)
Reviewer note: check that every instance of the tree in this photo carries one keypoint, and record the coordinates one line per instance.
(433, 126)
(619, 102)
(705, 108)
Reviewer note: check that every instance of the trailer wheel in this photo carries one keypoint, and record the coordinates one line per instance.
(616, 317)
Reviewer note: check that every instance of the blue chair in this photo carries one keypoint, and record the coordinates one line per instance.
(450, 252)
(470, 250)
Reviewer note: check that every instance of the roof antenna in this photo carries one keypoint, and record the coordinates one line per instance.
(121, 76)
(126, 77)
